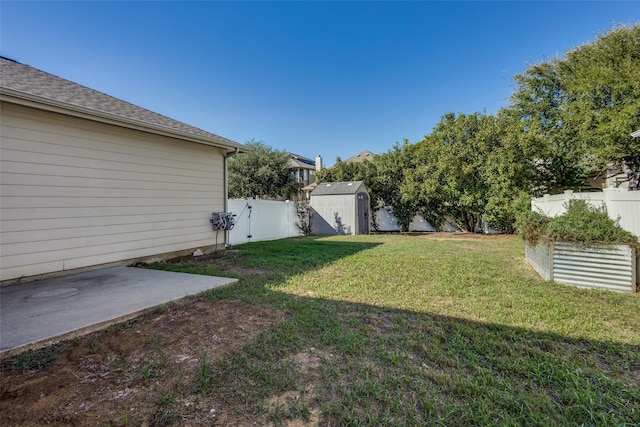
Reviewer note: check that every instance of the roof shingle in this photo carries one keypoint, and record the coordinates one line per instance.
(45, 87)
(333, 188)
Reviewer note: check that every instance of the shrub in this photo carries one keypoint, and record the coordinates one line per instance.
(533, 226)
(305, 217)
(588, 225)
(581, 223)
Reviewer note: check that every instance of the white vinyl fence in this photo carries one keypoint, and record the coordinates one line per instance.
(257, 220)
(387, 221)
(622, 205)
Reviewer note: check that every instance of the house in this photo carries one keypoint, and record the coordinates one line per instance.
(304, 170)
(620, 175)
(91, 180)
(360, 157)
(340, 208)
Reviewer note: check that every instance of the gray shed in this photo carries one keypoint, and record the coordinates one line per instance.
(340, 208)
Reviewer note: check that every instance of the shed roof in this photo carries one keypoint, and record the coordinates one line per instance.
(26, 85)
(334, 188)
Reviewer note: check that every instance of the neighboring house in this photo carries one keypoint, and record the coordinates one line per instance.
(340, 208)
(91, 180)
(304, 170)
(622, 177)
(360, 157)
(634, 175)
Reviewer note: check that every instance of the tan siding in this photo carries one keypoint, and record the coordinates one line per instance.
(77, 193)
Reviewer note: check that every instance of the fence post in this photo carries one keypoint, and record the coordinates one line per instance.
(552, 248)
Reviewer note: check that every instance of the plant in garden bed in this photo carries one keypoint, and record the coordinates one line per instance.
(581, 224)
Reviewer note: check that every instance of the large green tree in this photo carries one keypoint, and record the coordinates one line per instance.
(471, 168)
(389, 173)
(450, 178)
(583, 107)
(569, 119)
(263, 173)
(344, 171)
(510, 170)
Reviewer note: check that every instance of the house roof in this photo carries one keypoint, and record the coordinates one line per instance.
(360, 157)
(335, 188)
(636, 134)
(301, 162)
(26, 85)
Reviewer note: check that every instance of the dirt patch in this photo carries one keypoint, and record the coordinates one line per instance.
(228, 261)
(138, 373)
(300, 407)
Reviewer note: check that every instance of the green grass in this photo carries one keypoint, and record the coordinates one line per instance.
(405, 330)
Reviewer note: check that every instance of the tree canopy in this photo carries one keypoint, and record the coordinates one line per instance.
(569, 118)
(583, 107)
(263, 173)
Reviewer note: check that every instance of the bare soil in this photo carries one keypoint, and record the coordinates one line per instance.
(132, 374)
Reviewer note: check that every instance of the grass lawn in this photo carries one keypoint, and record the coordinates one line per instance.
(410, 330)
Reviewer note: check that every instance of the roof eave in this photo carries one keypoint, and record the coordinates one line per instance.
(29, 100)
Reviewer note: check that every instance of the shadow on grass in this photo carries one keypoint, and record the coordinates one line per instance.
(357, 364)
(278, 258)
(336, 362)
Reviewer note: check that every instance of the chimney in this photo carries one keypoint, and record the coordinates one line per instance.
(318, 163)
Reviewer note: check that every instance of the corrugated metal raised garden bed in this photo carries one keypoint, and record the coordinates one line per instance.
(612, 267)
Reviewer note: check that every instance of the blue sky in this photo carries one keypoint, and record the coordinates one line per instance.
(329, 78)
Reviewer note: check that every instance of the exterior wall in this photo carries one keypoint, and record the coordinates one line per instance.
(77, 194)
(622, 205)
(335, 214)
(258, 220)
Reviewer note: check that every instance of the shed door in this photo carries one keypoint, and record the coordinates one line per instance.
(363, 213)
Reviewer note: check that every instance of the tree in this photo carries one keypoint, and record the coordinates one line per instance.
(454, 181)
(343, 171)
(471, 168)
(603, 83)
(509, 172)
(387, 175)
(262, 173)
(583, 108)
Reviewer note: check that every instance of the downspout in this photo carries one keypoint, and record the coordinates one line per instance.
(225, 185)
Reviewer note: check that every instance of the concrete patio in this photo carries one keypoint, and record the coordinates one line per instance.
(38, 313)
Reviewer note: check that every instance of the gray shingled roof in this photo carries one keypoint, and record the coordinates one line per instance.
(333, 188)
(360, 157)
(23, 81)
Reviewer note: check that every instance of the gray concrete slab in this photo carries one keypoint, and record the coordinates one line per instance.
(38, 313)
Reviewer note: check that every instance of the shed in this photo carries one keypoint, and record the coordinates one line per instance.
(90, 180)
(340, 208)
